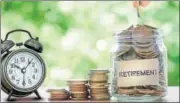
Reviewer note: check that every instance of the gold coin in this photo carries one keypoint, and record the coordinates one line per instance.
(78, 85)
(74, 89)
(61, 97)
(142, 31)
(127, 91)
(99, 84)
(143, 45)
(100, 97)
(56, 99)
(58, 91)
(98, 87)
(98, 77)
(98, 71)
(122, 51)
(105, 81)
(146, 91)
(77, 81)
(94, 92)
(79, 98)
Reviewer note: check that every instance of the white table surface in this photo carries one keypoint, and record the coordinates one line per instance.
(173, 96)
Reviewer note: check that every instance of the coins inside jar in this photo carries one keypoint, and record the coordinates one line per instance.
(125, 43)
(146, 44)
(141, 90)
(143, 41)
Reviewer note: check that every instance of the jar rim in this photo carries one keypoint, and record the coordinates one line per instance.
(158, 33)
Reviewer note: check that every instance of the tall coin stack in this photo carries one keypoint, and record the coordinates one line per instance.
(98, 84)
(78, 89)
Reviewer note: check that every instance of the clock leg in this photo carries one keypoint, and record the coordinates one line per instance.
(9, 97)
(37, 94)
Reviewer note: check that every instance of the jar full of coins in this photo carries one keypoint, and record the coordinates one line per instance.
(139, 64)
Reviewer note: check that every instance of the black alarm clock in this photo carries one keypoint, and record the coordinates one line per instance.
(23, 69)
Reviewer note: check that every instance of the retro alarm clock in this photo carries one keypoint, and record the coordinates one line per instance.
(23, 69)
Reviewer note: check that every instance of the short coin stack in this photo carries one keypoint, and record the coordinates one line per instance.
(58, 94)
(98, 84)
(78, 89)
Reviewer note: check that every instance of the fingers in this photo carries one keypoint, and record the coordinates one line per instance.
(142, 3)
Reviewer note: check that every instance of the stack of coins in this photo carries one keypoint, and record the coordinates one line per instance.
(58, 94)
(78, 89)
(125, 42)
(98, 84)
(143, 41)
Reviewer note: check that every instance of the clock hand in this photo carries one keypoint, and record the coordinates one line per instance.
(17, 67)
(28, 64)
(23, 72)
(23, 83)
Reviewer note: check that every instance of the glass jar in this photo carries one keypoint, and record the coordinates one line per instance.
(139, 63)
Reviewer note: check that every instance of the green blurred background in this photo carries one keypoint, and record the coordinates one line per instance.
(77, 36)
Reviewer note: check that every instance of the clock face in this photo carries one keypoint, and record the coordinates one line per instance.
(24, 70)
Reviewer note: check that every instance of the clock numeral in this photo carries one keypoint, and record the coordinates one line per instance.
(17, 81)
(10, 71)
(12, 66)
(33, 64)
(22, 59)
(16, 60)
(30, 60)
(34, 77)
(13, 77)
(35, 70)
(29, 81)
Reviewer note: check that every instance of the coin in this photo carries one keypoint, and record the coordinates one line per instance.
(142, 31)
(146, 91)
(78, 88)
(77, 81)
(75, 89)
(59, 97)
(98, 71)
(98, 84)
(79, 94)
(101, 97)
(98, 78)
(99, 91)
(127, 91)
(79, 98)
(58, 94)
(144, 41)
(122, 50)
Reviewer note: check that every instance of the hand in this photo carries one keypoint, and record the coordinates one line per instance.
(142, 3)
(29, 62)
(17, 67)
(23, 83)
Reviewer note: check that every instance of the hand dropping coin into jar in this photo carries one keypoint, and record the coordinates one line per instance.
(137, 5)
(141, 3)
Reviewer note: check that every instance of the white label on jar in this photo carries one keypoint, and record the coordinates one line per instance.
(138, 72)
